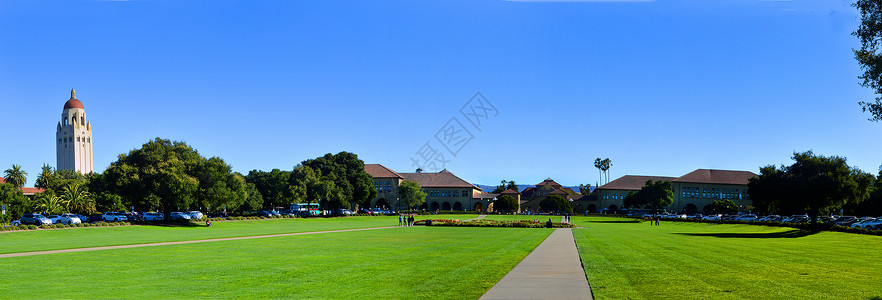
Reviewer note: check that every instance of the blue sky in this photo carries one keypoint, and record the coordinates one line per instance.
(659, 87)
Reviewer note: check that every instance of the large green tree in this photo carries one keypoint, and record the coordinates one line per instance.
(653, 194)
(506, 203)
(16, 176)
(16, 202)
(556, 203)
(347, 174)
(77, 199)
(274, 186)
(869, 56)
(169, 175)
(411, 194)
(813, 184)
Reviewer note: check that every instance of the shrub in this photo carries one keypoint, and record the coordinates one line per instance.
(45, 226)
(31, 227)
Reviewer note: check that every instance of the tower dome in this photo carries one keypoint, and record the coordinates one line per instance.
(73, 102)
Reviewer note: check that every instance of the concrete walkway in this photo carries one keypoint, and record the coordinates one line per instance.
(552, 271)
(477, 218)
(179, 242)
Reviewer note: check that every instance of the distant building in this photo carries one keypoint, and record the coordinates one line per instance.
(74, 138)
(693, 192)
(444, 190)
(531, 197)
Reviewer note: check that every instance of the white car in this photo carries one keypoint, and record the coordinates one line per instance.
(179, 216)
(195, 215)
(64, 219)
(72, 219)
(711, 217)
(114, 217)
(153, 216)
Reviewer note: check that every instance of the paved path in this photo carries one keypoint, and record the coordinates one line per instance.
(477, 218)
(552, 271)
(179, 242)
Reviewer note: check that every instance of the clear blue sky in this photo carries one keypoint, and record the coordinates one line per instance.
(660, 87)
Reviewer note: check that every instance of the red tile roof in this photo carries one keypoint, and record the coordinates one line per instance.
(549, 181)
(2, 180)
(633, 182)
(380, 171)
(717, 177)
(438, 180)
(484, 195)
(510, 191)
(31, 191)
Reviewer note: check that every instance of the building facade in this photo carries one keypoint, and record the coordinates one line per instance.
(444, 190)
(74, 138)
(693, 192)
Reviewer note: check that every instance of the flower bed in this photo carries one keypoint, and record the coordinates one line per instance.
(492, 223)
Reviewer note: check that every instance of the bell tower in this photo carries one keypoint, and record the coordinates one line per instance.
(74, 138)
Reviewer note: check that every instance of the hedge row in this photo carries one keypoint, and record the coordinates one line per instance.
(54, 226)
(492, 223)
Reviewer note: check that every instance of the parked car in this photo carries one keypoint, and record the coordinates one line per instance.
(82, 218)
(265, 213)
(219, 214)
(845, 220)
(15, 222)
(797, 219)
(95, 218)
(35, 219)
(113, 216)
(747, 217)
(132, 217)
(153, 216)
(73, 219)
(711, 217)
(864, 223)
(345, 212)
(195, 215)
(179, 216)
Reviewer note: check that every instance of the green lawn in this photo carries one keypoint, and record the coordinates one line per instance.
(633, 260)
(396, 263)
(541, 218)
(26, 241)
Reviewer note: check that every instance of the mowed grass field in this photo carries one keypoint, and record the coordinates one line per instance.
(395, 263)
(625, 259)
(27, 241)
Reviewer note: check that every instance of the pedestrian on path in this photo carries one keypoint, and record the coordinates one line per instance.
(400, 220)
(411, 220)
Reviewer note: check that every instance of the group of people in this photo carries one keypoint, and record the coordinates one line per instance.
(566, 219)
(405, 221)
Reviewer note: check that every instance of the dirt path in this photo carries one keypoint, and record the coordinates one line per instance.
(179, 242)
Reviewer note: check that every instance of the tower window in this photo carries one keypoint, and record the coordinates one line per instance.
(83, 121)
(65, 122)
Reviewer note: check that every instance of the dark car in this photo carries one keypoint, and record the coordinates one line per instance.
(35, 219)
(95, 218)
(265, 213)
(219, 214)
(132, 217)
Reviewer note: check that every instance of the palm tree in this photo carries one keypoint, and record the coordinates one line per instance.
(77, 199)
(599, 165)
(50, 204)
(605, 165)
(16, 176)
(43, 179)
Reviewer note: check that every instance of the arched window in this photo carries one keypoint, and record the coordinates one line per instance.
(65, 122)
(83, 121)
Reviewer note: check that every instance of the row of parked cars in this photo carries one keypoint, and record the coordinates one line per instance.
(848, 221)
(70, 219)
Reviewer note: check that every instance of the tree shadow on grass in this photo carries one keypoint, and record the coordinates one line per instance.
(629, 221)
(772, 235)
(171, 224)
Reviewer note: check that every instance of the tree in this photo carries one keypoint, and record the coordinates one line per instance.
(506, 203)
(512, 186)
(274, 186)
(16, 202)
(419, 170)
(585, 189)
(411, 194)
(162, 175)
(44, 178)
(724, 206)
(303, 184)
(813, 184)
(347, 173)
(77, 199)
(598, 163)
(16, 176)
(606, 164)
(255, 198)
(868, 56)
(555, 203)
(653, 194)
(50, 204)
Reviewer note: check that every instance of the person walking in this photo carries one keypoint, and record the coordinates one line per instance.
(411, 220)
(400, 220)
